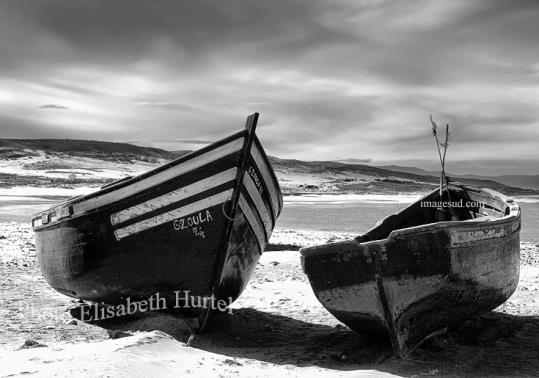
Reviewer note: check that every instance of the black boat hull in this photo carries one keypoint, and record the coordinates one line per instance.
(198, 234)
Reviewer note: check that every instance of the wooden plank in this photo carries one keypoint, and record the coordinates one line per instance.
(272, 173)
(261, 209)
(263, 168)
(487, 199)
(255, 225)
(174, 196)
(174, 214)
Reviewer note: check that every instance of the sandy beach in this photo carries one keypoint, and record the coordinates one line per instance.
(277, 328)
(159, 148)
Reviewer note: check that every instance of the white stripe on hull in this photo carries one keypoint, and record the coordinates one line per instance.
(259, 204)
(268, 178)
(160, 177)
(174, 196)
(257, 229)
(173, 214)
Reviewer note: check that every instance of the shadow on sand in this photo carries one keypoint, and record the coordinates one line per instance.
(493, 344)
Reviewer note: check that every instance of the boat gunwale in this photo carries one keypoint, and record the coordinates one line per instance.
(514, 215)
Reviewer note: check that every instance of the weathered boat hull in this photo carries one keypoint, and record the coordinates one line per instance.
(419, 279)
(195, 227)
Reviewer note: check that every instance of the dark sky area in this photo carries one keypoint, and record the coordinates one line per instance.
(332, 79)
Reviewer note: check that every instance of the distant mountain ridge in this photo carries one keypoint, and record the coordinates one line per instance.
(414, 170)
(68, 163)
(401, 179)
(521, 181)
(85, 148)
(51, 162)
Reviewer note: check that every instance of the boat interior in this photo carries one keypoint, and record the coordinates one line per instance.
(458, 203)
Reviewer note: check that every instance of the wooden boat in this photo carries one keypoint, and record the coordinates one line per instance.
(421, 269)
(194, 226)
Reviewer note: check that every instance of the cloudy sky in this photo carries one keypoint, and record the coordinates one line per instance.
(350, 79)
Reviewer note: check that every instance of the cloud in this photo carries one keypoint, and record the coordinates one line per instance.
(351, 78)
(355, 161)
(165, 105)
(52, 106)
(22, 127)
(194, 141)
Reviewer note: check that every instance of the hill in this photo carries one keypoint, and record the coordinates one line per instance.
(520, 181)
(68, 163)
(362, 178)
(14, 148)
